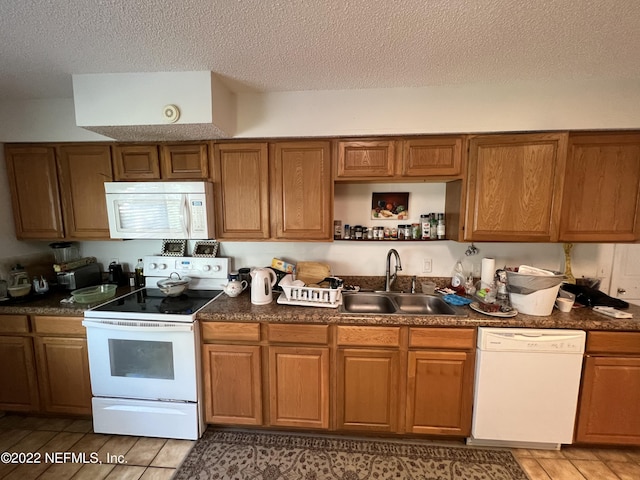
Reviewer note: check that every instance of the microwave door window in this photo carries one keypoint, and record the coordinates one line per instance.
(159, 217)
(141, 359)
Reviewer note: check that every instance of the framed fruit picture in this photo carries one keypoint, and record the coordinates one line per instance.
(390, 205)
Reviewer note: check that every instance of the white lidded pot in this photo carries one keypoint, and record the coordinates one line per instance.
(262, 282)
(234, 287)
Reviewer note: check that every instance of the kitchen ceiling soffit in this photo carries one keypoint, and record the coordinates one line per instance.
(155, 106)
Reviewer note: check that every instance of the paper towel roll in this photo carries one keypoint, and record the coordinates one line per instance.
(488, 271)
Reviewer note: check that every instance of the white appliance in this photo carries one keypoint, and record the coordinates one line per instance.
(144, 352)
(159, 210)
(526, 388)
(262, 282)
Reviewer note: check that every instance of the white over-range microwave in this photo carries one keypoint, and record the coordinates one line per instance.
(159, 210)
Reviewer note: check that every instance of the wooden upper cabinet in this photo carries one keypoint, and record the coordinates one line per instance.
(241, 187)
(514, 187)
(184, 161)
(432, 157)
(83, 171)
(373, 159)
(365, 159)
(301, 191)
(33, 179)
(136, 162)
(602, 188)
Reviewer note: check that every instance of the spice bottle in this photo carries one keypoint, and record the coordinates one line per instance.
(426, 227)
(139, 274)
(440, 228)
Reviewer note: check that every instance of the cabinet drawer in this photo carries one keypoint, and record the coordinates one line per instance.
(14, 324)
(613, 342)
(245, 332)
(299, 334)
(458, 338)
(369, 336)
(59, 326)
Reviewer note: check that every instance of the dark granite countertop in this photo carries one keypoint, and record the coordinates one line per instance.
(240, 309)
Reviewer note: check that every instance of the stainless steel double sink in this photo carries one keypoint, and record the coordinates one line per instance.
(395, 303)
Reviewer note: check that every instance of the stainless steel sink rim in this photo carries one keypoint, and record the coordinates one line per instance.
(397, 303)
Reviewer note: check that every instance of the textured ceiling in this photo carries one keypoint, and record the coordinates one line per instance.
(265, 45)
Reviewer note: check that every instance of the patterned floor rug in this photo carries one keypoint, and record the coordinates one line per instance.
(242, 455)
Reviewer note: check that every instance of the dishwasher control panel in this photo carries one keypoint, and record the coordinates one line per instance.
(531, 340)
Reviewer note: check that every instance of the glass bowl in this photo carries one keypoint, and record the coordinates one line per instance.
(95, 294)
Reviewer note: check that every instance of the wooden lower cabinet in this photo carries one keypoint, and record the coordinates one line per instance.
(64, 381)
(299, 387)
(368, 389)
(18, 379)
(233, 385)
(439, 392)
(609, 403)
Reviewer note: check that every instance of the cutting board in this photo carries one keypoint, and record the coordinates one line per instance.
(312, 272)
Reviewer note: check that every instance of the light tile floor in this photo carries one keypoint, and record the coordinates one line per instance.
(130, 458)
(105, 456)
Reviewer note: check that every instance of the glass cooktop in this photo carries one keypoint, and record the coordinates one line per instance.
(153, 301)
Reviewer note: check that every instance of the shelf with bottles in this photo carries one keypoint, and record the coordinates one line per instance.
(410, 232)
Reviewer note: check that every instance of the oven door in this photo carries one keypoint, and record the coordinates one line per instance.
(141, 359)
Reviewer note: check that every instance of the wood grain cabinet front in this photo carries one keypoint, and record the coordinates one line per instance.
(232, 384)
(609, 403)
(18, 377)
(136, 162)
(601, 199)
(514, 187)
(184, 161)
(299, 387)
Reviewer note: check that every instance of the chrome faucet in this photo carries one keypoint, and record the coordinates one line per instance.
(389, 278)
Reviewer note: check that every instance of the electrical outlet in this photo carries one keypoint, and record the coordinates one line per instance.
(426, 265)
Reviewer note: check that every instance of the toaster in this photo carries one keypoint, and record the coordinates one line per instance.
(80, 277)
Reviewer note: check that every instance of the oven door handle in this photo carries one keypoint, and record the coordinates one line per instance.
(133, 326)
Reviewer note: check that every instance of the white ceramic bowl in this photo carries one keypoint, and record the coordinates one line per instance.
(19, 290)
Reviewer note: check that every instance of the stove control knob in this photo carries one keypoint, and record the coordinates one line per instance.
(152, 266)
(206, 268)
(162, 266)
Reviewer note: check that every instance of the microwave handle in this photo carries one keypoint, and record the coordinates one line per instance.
(186, 219)
(132, 327)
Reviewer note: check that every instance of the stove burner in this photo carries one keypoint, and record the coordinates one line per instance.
(181, 304)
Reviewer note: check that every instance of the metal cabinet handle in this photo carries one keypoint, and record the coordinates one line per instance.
(621, 291)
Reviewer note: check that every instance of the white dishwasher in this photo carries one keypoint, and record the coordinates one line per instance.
(526, 387)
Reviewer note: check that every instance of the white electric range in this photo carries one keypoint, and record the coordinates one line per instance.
(144, 352)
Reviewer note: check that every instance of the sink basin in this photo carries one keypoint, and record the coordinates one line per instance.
(368, 303)
(389, 303)
(423, 304)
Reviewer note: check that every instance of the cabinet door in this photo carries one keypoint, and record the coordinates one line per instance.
(18, 383)
(609, 407)
(299, 387)
(83, 171)
(432, 157)
(439, 392)
(365, 159)
(602, 189)
(241, 187)
(184, 161)
(35, 195)
(368, 390)
(232, 384)
(515, 187)
(136, 162)
(302, 191)
(63, 367)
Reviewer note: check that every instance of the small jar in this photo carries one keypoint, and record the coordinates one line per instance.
(400, 232)
(415, 231)
(370, 232)
(387, 234)
(407, 232)
(357, 232)
(440, 229)
(426, 227)
(394, 233)
(347, 232)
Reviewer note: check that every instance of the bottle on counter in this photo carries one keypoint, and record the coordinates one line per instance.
(139, 274)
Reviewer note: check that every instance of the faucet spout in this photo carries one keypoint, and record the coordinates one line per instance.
(389, 277)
